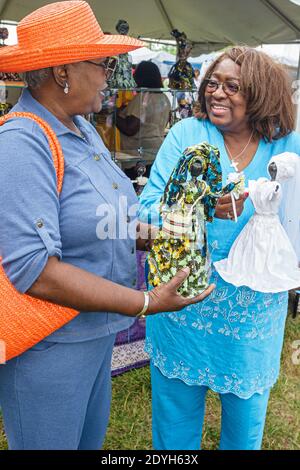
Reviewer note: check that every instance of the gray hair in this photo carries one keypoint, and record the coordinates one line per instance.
(35, 78)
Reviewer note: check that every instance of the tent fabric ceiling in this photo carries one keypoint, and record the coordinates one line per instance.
(209, 24)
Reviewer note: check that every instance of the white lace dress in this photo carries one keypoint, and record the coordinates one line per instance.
(262, 256)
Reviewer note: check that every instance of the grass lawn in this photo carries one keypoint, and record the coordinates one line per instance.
(130, 421)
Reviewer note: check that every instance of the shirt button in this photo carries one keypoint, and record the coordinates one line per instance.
(97, 157)
(132, 250)
(134, 283)
(40, 223)
(128, 219)
(115, 186)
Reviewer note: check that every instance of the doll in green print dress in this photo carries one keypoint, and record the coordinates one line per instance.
(188, 202)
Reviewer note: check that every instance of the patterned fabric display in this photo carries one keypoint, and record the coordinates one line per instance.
(186, 205)
(122, 78)
(5, 108)
(181, 76)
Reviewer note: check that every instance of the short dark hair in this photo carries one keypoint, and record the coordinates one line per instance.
(36, 78)
(266, 87)
(147, 75)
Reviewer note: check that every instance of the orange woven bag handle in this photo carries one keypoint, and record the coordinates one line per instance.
(24, 320)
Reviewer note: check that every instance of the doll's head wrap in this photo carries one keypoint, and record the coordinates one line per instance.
(203, 153)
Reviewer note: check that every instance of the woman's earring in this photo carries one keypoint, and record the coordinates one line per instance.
(66, 89)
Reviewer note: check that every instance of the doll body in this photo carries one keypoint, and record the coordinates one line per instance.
(262, 256)
(181, 75)
(181, 242)
(185, 208)
(122, 77)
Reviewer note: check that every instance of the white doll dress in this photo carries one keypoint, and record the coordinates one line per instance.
(262, 257)
(288, 175)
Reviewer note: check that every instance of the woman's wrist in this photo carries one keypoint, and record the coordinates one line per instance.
(144, 310)
(137, 303)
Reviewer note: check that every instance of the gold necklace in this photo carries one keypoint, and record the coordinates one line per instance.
(234, 162)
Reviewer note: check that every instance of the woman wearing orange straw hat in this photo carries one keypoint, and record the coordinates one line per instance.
(56, 395)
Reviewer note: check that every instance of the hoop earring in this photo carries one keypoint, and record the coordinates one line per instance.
(66, 89)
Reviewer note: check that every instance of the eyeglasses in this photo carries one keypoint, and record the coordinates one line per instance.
(109, 65)
(229, 87)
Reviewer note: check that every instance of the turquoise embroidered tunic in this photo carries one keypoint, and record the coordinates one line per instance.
(232, 341)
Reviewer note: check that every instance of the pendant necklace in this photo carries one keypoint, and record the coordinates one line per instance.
(234, 162)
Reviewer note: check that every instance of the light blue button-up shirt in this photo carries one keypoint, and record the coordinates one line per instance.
(96, 198)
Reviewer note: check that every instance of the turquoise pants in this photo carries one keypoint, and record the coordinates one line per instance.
(56, 396)
(178, 413)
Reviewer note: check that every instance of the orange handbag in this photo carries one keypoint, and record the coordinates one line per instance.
(25, 320)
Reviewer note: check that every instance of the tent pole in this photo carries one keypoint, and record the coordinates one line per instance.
(165, 14)
(282, 16)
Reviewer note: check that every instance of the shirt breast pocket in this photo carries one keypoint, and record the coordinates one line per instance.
(102, 177)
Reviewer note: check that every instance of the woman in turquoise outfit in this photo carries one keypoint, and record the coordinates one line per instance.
(231, 343)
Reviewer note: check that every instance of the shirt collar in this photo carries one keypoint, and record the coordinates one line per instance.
(29, 104)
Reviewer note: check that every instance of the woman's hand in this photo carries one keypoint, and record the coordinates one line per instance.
(129, 126)
(224, 208)
(165, 297)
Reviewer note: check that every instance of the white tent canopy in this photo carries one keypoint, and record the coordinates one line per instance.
(161, 56)
(142, 54)
(287, 54)
(209, 24)
(165, 60)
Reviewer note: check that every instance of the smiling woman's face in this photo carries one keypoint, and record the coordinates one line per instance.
(228, 113)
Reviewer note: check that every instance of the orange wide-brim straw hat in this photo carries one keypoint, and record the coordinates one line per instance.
(61, 33)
